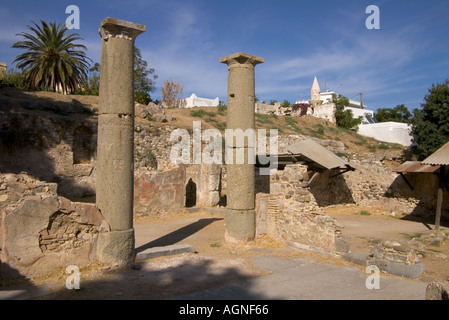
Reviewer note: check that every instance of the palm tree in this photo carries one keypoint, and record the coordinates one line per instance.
(52, 59)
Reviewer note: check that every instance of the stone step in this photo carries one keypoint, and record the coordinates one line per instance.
(170, 250)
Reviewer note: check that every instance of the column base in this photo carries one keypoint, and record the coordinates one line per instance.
(240, 225)
(116, 247)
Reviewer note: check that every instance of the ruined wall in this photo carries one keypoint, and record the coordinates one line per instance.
(371, 184)
(289, 211)
(41, 231)
(50, 147)
(159, 192)
(374, 184)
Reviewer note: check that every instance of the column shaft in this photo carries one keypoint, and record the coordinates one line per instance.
(115, 150)
(240, 217)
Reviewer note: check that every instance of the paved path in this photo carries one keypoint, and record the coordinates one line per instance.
(299, 279)
(224, 275)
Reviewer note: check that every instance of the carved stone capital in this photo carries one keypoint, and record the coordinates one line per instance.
(241, 58)
(114, 28)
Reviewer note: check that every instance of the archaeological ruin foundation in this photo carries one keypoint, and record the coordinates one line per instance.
(72, 178)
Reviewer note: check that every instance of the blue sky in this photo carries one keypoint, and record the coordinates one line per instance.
(299, 40)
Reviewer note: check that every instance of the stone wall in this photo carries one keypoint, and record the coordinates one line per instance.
(204, 185)
(289, 211)
(374, 184)
(41, 231)
(371, 184)
(159, 192)
(324, 111)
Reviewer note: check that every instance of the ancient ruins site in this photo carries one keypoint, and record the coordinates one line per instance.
(90, 182)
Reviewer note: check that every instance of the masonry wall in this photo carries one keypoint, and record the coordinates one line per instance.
(290, 212)
(41, 231)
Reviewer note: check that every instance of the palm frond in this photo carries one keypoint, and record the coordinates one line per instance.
(52, 58)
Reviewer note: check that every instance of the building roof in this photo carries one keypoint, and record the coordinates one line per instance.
(313, 153)
(416, 166)
(439, 157)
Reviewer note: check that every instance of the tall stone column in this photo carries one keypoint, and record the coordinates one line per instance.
(115, 150)
(240, 216)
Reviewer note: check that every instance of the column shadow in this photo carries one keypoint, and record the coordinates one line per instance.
(178, 235)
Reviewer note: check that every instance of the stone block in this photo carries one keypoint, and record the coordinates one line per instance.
(116, 247)
(89, 214)
(213, 198)
(399, 269)
(117, 77)
(436, 291)
(214, 182)
(115, 169)
(356, 257)
(163, 192)
(240, 187)
(22, 227)
(174, 249)
(240, 225)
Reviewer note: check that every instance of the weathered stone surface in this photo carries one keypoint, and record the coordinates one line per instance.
(115, 182)
(436, 291)
(116, 247)
(43, 232)
(240, 187)
(159, 192)
(240, 225)
(22, 227)
(399, 269)
(155, 252)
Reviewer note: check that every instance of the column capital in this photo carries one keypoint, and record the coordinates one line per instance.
(111, 27)
(241, 58)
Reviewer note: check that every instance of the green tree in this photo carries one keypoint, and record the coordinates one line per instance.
(52, 58)
(91, 85)
(344, 118)
(144, 79)
(398, 114)
(430, 125)
(285, 104)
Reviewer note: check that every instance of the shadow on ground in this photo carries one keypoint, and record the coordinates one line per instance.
(177, 276)
(178, 235)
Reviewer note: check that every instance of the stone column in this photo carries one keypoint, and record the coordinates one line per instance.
(115, 150)
(240, 216)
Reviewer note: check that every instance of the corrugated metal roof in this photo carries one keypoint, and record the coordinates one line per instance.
(416, 166)
(439, 157)
(310, 150)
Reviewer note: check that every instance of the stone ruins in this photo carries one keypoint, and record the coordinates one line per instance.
(72, 180)
(240, 215)
(115, 150)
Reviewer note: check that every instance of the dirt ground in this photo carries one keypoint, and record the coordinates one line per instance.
(217, 262)
(364, 227)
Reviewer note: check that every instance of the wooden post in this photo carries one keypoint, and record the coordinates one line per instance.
(438, 213)
(441, 177)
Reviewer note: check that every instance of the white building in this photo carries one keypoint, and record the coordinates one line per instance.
(194, 101)
(392, 132)
(354, 106)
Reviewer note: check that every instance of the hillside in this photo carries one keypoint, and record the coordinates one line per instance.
(54, 104)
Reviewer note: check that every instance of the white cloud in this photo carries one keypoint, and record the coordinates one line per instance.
(368, 64)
